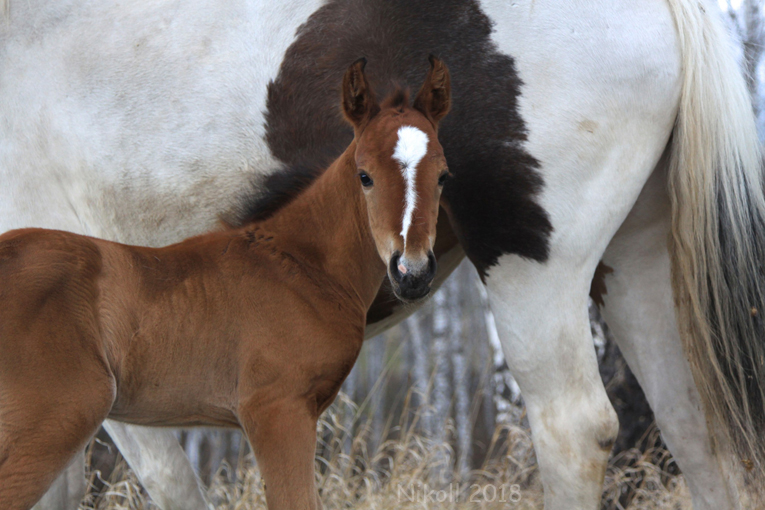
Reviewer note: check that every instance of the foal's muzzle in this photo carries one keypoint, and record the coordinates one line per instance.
(411, 279)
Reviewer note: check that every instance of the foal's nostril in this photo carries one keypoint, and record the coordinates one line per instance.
(432, 265)
(394, 271)
(412, 282)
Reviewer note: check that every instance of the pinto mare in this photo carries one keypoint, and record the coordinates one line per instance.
(141, 122)
(255, 326)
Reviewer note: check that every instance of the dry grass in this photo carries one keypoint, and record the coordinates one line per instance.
(414, 472)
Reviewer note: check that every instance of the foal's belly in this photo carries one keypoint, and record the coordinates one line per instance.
(192, 415)
(192, 385)
(174, 381)
(181, 399)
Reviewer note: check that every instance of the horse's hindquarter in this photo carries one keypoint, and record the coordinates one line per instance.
(599, 98)
(601, 84)
(48, 318)
(135, 122)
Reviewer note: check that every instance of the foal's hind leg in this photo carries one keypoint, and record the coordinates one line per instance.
(639, 308)
(68, 489)
(47, 415)
(283, 438)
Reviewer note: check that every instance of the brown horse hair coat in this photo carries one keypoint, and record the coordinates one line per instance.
(253, 327)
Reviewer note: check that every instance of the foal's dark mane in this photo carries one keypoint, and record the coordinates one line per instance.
(398, 99)
(283, 186)
(279, 189)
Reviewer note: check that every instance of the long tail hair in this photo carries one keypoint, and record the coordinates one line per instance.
(718, 231)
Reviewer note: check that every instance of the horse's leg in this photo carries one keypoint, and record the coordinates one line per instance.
(639, 308)
(153, 454)
(46, 417)
(160, 464)
(283, 438)
(541, 316)
(598, 112)
(68, 489)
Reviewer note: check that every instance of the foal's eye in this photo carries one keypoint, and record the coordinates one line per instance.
(444, 177)
(366, 181)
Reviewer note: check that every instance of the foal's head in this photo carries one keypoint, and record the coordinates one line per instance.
(401, 169)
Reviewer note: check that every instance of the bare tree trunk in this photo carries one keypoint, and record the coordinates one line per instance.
(350, 388)
(193, 447)
(441, 395)
(375, 363)
(218, 447)
(420, 367)
(440, 354)
(459, 294)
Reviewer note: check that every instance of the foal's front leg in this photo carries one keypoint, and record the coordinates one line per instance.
(283, 438)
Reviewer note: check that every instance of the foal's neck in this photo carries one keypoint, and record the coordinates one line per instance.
(326, 228)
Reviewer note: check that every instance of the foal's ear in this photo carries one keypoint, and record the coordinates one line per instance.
(435, 97)
(359, 103)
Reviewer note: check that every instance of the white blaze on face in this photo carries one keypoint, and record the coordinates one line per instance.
(411, 147)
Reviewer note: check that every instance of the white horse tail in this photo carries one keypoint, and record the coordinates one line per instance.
(718, 231)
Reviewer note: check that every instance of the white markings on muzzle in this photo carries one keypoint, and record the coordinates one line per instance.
(411, 147)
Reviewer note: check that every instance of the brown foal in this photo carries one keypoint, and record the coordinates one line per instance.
(255, 326)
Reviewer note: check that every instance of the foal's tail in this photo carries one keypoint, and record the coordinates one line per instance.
(718, 231)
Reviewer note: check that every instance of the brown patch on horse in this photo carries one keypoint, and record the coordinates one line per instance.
(493, 195)
(598, 286)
